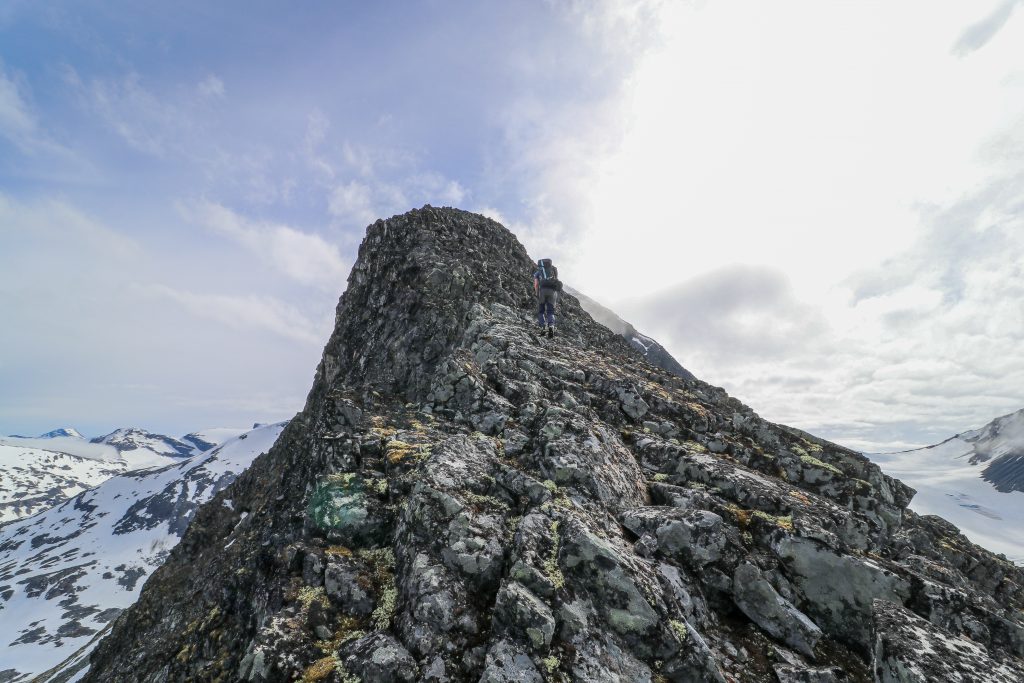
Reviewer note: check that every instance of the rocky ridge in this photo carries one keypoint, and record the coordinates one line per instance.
(462, 500)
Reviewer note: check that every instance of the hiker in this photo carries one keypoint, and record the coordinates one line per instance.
(547, 286)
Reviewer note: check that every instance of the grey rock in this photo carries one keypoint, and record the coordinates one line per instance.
(378, 658)
(523, 615)
(774, 614)
(507, 663)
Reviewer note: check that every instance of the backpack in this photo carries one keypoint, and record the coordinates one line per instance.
(548, 275)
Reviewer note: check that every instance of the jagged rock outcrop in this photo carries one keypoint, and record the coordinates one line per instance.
(462, 500)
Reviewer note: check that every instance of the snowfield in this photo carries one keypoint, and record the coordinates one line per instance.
(951, 482)
(67, 572)
(33, 479)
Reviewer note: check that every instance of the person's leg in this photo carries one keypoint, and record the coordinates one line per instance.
(540, 308)
(552, 301)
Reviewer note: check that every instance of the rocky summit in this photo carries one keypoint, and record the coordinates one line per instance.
(462, 499)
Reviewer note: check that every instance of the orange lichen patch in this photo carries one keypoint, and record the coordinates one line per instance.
(801, 497)
(699, 409)
(320, 669)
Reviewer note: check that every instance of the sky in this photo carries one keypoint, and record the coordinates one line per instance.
(816, 205)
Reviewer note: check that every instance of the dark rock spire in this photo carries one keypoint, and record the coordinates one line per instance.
(463, 500)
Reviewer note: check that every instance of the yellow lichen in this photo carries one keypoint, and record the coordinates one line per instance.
(551, 568)
(385, 610)
(347, 628)
(382, 560)
(308, 595)
(343, 478)
(679, 629)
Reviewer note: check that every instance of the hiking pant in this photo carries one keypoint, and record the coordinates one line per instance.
(546, 300)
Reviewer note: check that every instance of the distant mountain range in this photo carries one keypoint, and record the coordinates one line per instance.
(974, 479)
(65, 573)
(37, 473)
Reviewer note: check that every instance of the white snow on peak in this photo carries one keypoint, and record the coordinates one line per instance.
(62, 431)
(67, 572)
(204, 439)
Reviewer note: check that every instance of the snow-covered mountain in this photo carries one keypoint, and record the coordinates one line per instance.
(205, 439)
(62, 431)
(67, 572)
(34, 479)
(974, 480)
(145, 449)
(38, 473)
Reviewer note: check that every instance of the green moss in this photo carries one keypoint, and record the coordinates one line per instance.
(550, 485)
(679, 629)
(484, 501)
(660, 476)
(784, 522)
(814, 462)
(551, 663)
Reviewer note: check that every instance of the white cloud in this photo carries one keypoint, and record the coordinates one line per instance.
(305, 257)
(56, 227)
(16, 121)
(353, 202)
(358, 203)
(317, 125)
(737, 137)
(211, 86)
(245, 312)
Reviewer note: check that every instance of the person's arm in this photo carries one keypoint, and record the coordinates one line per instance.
(536, 285)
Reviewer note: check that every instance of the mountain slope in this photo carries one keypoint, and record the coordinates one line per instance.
(654, 352)
(462, 500)
(973, 480)
(67, 572)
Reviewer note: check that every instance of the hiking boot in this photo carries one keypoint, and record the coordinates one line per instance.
(551, 331)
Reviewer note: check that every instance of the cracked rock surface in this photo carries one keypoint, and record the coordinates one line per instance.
(464, 500)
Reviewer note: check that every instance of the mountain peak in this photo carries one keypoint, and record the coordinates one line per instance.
(464, 499)
(70, 432)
